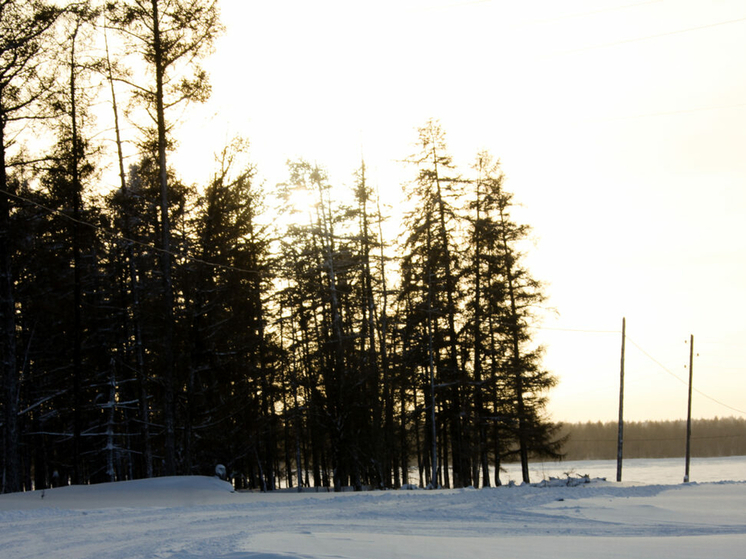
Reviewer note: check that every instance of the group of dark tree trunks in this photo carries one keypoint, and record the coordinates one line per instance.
(156, 328)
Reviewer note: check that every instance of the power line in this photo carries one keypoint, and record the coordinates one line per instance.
(719, 402)
(592, 12)
(674, 375)
(467, 3)
(654, 360)
(657, 439)
(196, 260)
(647, 37)
(120, 237)
(649, 356)
(668, 113)
(581, 330)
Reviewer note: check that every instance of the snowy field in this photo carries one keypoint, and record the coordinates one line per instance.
(641, 470)
(200, 517)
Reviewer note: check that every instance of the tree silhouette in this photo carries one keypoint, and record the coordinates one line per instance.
(23, 25)
(170, 37)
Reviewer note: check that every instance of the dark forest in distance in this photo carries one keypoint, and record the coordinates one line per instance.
(655, 439)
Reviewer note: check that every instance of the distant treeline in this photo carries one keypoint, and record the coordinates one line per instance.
(655, 439)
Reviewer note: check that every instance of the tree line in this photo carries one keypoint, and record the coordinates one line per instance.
(655, 439)
(161, 328)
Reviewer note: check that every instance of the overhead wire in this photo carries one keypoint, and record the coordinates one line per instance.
(669, 113)
(592, 12)
(619, 42)
(581, 330)
(647, 37)
(657, 439)
(600, 11)
(194, 259)
(649, 356)
(467, 3)
(677, 377)
(120, 237)
(654, 360)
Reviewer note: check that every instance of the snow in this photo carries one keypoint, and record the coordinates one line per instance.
(201, 517)
(666, 471)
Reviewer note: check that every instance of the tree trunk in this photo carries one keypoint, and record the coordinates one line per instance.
(431, 363)
(478, 384)
(458, 445)
(144, 406)
(168, 295)
(77, 291)
(516, 367)
(12, 463)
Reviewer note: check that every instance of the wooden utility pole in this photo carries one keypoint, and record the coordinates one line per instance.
(620, 441)
(689, 409)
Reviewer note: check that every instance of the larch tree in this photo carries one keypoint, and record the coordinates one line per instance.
(476, 274)
(430, 265)
(230, 398)
(121, 203)
(76, 158)
(372, 361)
(23, 24)
(526, 381)
(335, 340)
(170, 37)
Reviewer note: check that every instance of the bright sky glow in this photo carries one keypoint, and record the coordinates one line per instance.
(621, 127)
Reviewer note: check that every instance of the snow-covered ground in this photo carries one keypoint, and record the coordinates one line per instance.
(642, 470)
(200, 517)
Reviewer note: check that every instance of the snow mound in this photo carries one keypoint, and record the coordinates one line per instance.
(153, 492)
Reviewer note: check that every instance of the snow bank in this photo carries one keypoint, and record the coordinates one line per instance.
(197, 517)
(155, 492)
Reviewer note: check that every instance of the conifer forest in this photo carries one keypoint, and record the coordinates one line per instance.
(151, 326)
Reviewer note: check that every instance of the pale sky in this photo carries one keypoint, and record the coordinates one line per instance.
(621, 127)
